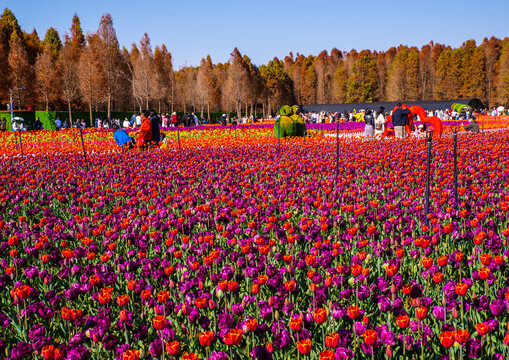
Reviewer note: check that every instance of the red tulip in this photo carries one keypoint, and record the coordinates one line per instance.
(332, 340)
(206, 338)
(159, 322)
(421, 312)
(370, 337)
(482, 329)
(173, 348)
(462, 336)
(233, 337)
(296, 324)
(352, 312)
(327, 355)
(304, 346)
(461, 289)
(320, 315)
(403, 321)
(447, 338)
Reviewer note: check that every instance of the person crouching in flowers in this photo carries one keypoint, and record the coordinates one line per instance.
(145, 132)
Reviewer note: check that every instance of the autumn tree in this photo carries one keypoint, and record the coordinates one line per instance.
(237, 83)
(164, 76)
(278, 84)
(20, 71)
(403, 79)
(491, 53)
(502, 82)
(47, 75)
(339, 83)
(206, 84)
(8, 25)
(143, 71)
(448, 75)
(52, 39)
(91, 81)
(110, 59)
(362, 85)
(308, 81)
(473, 72)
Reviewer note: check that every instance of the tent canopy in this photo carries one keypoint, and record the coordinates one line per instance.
(389, 105)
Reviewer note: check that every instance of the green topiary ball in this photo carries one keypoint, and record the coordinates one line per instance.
(286, 126)
(285, 110)
(300, 125)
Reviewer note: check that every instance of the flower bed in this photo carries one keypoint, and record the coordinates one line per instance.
(234, 251)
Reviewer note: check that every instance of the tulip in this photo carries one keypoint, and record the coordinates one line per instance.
(370, 337)
(320, 315)
(122, 300)
(159, 322)
(304, 346)
(447, 339)
(353, 312)
(482, 329)
(173, 348)
(403, 321)
(233, 337)
(327, 355)
(332, 340)
(421, 312)
(206, 338)
(296, 324)
(461, 289)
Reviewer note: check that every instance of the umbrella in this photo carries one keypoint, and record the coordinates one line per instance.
(18, 119)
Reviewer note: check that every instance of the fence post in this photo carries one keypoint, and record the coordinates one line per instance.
(455, 136)
(337, 148)
(429, 137)
(83, 146)
(279, 137)
(20, 144)
(178, 135)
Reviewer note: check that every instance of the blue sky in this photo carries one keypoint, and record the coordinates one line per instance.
(263, 29)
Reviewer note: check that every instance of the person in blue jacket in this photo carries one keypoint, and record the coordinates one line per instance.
(399, 120)
(122, 138)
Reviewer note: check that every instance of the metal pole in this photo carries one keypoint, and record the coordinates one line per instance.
(12, 112)
(83, 146)
(455, 136)
(337, 147)
(178, 135)
(279, 136)
(428, 160)
(20, 144)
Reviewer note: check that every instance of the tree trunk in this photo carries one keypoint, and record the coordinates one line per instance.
(208, 111)
(90, 111)
(147, 104)
(47, 105)
(70, 112)
(159, 106)
(109, 106)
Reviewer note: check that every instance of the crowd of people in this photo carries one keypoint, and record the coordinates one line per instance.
(347, 116)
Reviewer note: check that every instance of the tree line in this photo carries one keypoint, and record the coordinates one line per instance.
(93, 72)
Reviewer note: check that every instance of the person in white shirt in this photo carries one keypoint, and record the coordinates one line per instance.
(138, 121)
(126, 123)
(380, 121)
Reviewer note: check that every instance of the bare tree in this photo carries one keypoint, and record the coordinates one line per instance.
(109, 57)
(143, 71)
(91, 81)
(68, 72)
(47, 74)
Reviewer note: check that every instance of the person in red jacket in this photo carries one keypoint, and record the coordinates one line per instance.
(145, 133)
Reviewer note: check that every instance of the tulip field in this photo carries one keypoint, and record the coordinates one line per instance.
(223, 248)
